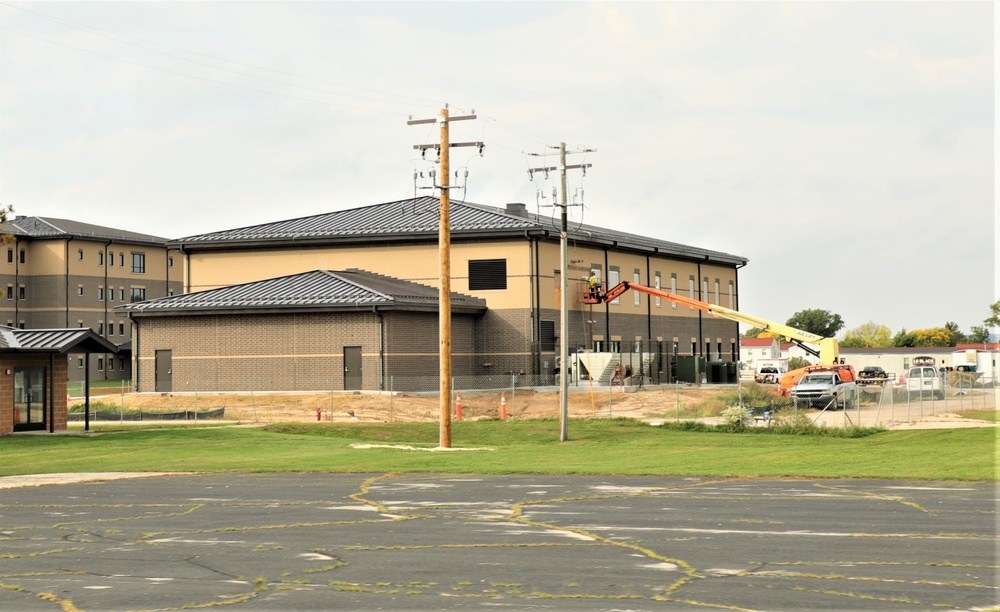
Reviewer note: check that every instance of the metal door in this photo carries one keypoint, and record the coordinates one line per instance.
(352, 368)
(164, 371)
(30, 399)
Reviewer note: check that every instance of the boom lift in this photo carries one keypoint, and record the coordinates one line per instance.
(828, 352)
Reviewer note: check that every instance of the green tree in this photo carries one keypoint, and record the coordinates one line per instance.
(979, 333)
(904, 338)
(869, 335)
(753, 332)
(994, 319)
(935, 336)
(5, 212)
(797, 362)
(820, 322)
(956, 333)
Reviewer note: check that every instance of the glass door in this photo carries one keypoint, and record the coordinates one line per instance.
(29, 398)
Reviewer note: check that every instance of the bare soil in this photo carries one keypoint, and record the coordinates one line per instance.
(655, 403)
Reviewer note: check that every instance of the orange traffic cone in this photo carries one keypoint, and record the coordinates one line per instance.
(458, 406)
(503, 406)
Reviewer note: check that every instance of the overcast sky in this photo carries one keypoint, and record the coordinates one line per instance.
(847, 149)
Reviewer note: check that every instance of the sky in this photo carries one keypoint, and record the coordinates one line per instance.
(846, 149)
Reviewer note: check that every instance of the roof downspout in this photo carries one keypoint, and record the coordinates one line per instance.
(649, 312)
(52, 393)
(381, 348)
(104, 305)
(701, 332)
(607, 305)
(536, 300)
(68, 240)
(17, 281)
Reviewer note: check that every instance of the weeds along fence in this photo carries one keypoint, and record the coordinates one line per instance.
(527, 396)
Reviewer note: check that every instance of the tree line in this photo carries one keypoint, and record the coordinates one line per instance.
(873, 335)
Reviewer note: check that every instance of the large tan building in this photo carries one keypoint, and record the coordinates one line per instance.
(58, 273)
(507, 257)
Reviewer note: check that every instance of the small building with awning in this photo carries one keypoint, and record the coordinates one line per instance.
(33, 375)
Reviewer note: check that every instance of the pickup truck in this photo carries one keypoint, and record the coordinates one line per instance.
(825, 389)
(872, 375)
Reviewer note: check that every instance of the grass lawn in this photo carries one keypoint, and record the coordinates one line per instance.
(528, 446)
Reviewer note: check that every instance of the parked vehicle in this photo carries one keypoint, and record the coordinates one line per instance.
(768, 375)
(924, 380)
(832, 386)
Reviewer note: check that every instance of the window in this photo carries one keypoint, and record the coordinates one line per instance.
(138, 294)
(79, 290)
(121, 363)
(691, 289)
(486, 274)
(659, 300)
(121, 294)
(732, 304)
(100, 364)
(111, 364)
(547, 335)
(21, 256)
(614, 277)
(170, 261)
(704, 289)
(138, 263)
(635, 294)
(673, 288)
(100, 328)
(718, 297)
(10, 292)
(79, 362)
(111, 258)
(121, 329)
(21, 292)
(111, 331)
(100, 294)
(100, 258)
(121, 259)
(79, 254)
(10, 255)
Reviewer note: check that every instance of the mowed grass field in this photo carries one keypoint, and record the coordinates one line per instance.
(615, 446)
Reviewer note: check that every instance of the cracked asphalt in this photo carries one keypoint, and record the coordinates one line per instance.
(523, 542)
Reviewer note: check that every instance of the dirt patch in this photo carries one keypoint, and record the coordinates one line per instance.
(661, 403)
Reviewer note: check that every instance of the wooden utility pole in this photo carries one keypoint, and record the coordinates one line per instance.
(444, 258)
(564, 289)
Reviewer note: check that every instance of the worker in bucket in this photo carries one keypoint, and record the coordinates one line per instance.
(595, 285)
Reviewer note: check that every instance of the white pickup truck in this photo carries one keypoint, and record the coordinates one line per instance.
(825, 389)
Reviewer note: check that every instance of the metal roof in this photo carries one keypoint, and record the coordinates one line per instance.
(321, 290)
(418, 218)
(71, 340)
(48, 227)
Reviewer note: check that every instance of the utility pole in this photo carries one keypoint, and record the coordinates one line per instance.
(564, 289)
(444, 258)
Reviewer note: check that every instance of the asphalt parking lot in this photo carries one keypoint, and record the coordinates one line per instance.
(438, 542)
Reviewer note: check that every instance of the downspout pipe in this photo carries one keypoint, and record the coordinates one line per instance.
(381, 348)
(68, 240)
(607, 305)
